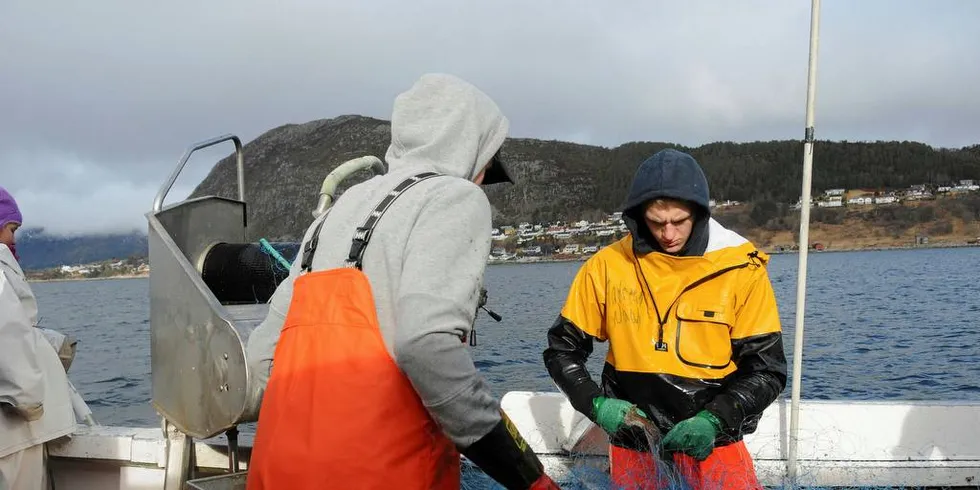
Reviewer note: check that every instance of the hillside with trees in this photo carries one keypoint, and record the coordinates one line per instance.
(567, 181)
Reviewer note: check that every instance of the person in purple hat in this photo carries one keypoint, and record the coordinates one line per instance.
(35, 394)
(10, 220)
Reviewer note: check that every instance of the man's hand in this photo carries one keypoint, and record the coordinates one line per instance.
(610, 413)
(694, 436)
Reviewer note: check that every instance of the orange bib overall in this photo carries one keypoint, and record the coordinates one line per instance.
(338, 412)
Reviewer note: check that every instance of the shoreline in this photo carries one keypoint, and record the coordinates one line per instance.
(879, 248)
(74, 279)
(582, 258)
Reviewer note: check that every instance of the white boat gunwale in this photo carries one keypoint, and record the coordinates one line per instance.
(843, 444)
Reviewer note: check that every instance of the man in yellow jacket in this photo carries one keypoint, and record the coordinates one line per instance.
(695, 342)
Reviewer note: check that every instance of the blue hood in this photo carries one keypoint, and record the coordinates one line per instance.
(677, 175)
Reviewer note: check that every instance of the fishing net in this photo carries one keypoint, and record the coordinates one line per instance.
(591, 472)
(585, 476)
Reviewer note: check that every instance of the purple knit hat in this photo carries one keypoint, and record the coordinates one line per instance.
(9, 212)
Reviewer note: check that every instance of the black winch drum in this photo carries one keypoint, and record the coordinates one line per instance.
(243, 273)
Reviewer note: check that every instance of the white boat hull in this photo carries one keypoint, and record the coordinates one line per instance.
(883, 444)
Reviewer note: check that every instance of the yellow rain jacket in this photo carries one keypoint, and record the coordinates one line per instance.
(685, 333)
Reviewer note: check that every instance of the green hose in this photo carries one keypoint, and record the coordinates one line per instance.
(276, 255)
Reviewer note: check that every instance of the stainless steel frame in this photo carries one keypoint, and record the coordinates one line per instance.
(239, 157)
(199, 374)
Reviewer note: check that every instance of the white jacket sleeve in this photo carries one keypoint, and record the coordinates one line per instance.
(21, 378)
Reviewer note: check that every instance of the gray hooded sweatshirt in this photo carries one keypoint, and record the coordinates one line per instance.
(426, 258)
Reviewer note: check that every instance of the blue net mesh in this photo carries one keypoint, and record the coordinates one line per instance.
(585, 475)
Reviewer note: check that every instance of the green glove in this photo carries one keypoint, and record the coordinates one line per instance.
(610, 413)
(694, 436)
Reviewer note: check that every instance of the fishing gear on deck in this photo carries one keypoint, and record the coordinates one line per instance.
(245, 273)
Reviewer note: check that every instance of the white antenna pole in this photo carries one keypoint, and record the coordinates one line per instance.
(811, 91)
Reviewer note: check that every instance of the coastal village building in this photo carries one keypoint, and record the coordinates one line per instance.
(835, 198)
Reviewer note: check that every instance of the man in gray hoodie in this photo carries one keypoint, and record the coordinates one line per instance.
(425, 263)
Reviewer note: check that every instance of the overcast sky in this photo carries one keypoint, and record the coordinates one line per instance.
(98, 99)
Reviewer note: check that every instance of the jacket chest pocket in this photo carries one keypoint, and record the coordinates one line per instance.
(704, 334)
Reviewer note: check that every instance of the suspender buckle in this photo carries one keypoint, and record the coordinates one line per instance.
(359, 244)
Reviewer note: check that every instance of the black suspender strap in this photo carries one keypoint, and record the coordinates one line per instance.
(310, 248)
(363, 233)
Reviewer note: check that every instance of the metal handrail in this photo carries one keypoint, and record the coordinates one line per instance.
(162, 193)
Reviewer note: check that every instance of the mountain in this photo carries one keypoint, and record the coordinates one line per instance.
(285, 166)
(40, 250)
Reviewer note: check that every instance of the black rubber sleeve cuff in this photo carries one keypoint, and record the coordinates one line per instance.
(505, 456)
